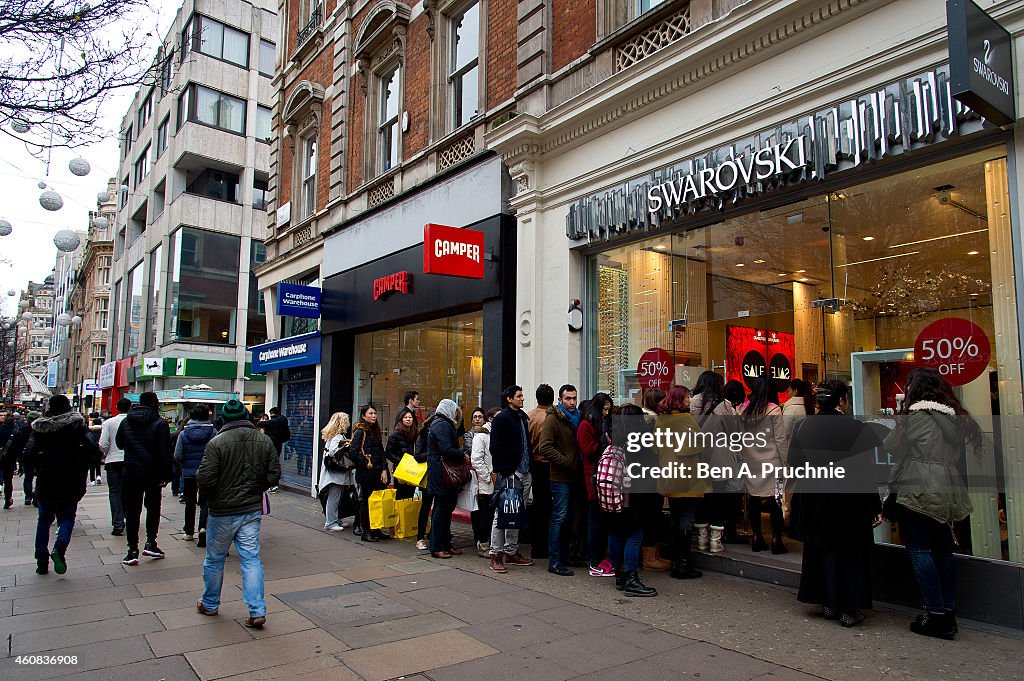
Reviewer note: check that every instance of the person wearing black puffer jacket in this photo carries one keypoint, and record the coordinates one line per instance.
(61, 454)
(146, 440)
(367, 453)
(188, 452)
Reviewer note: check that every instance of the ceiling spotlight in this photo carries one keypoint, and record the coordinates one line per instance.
(660, 247)
(800, 271)
(869, 238)
(739, 264)
(972, 252)
(804, 279)
(759, 262)
(783, 274)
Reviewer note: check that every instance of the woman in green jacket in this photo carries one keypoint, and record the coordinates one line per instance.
(927, 443)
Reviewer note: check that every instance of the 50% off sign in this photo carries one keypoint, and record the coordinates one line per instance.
(654, 370)
(957, 348)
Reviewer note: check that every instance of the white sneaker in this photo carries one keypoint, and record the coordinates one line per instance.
(188, 537)
(421, 545)
(336, 528)
(273, 490)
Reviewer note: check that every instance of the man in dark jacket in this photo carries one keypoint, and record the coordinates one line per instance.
(559, 448)
(510, 457)
(278, 431)
(146, 440)
(8, 428)
(240, 463)
(188, 452)
(61, 455)
(13, 453)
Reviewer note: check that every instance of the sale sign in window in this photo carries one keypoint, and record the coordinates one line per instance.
(957, 348)
(752, 353)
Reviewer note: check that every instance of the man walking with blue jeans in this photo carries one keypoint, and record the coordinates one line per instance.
(239, 464)
(559, 448)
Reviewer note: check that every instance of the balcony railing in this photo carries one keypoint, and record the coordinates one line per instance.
(316, 17)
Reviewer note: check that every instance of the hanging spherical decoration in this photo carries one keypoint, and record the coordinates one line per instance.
(5, 228)
(23, 304)
(66, 241)
(63, 319)
(103, 197)
(22, 328)
(76, 320)
(12, 293)
(51, 200)
(48, 332)
(41, 184)
(125, 189)
(20, 127)
(10, 343)
(100, 222)
(7, 326)
(27, 316)
(79, 166)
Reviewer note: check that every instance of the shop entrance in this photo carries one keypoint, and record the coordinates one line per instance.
(441, 358)
(842, 286)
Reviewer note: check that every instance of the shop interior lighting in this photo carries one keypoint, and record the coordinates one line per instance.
(759, 261)
(795, 218)
(939, 238)
(885, 257)
(869, 238)
(800, 271)
(660, 247)
(972, 252)
(740, 264)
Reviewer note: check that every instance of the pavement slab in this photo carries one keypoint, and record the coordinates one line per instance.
(213, 634)
(58, 638)
(241, 658)
(414, 655)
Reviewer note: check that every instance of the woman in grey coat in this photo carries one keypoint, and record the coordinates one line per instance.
(927, 444)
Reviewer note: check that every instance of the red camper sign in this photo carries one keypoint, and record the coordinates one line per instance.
(453, 251)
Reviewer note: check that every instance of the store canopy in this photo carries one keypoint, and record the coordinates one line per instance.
(36, 387)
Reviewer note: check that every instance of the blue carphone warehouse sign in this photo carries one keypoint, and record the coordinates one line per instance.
(296, 351)
(298, 301)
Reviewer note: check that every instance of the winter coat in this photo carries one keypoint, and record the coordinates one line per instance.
(508, 430)
(535, 419)
(442, 441)
(277, 430)
(774, 451)
(793, 411)
(7, 429)
(558, 446)
(827, 512)
(240, 464)
(328, 477)
(60, 452)
(12, 453)
(190, 445)
(146, 441)
(926, 476)
(723, 418)
(367, 453)
(398, 445)
(689, 456)
(481, 460)
(591, 448)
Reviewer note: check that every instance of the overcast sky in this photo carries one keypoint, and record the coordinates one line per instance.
(30, 246)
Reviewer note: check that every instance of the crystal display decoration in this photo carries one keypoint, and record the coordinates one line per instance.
(79, 166)
(66, 241)
(5, 228)
(51, 200)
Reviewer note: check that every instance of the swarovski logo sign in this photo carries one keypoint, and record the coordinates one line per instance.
(980, 61)
(888, 121)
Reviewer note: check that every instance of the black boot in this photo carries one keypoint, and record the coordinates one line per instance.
(620, 578)
(634, 587)
(682, 566)
(935, 625)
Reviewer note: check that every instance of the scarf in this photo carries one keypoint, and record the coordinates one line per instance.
(573, 416)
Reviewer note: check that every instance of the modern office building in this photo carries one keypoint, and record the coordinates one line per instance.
(191, 212)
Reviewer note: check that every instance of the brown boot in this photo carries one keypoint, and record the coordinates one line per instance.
(498, 562)
(651, 561)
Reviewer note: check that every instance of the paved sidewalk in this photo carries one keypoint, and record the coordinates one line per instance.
(349, 610)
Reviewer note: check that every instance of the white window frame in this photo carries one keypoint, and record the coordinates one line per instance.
(388, 134)
(456, 74)
(310, 151)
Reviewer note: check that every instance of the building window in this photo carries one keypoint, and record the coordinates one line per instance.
(308, 176)
(644, 6)
(209, 107)
(103, 271)
(102, 311)
(464, 67)
(128, 139)
(161, 136)
(256, 331)
(387, 128)
(167, 74)
(259, 195)
(155, 262)
(202, 290)
(267, 57)
(264, 124)
(133, 311)
(145, 111)
(122, 192)
(214, 39)
(142, 166)
(215, 184)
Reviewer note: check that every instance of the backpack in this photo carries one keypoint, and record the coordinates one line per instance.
(610, 479)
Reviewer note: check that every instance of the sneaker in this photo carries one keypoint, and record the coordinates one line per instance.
(60, 566)
(117, 532)
(42, 568)
(336, 527)
(201, 540)
(518, 559)
(421, 545)
(188, 537)
(99, 481)
(602, 569)
(153, 551)
(273, 490)
(132, 558)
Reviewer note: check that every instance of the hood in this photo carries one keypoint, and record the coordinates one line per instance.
(197, 425)
(553, 409)
(944, 417)
(448, 409)
(51, 424)
(237, 423)
(140, 415)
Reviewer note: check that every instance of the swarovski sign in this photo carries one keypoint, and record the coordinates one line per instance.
(888, 121)
(980, 61)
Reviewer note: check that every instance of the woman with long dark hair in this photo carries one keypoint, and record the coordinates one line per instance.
(835, 528)
(684, 494)
(763, 415)
(930, 496)
(714, 414)
(402, 441)
(367, 453)
(592, 437)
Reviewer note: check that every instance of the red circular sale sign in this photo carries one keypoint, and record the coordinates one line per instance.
(654, 370)
(957, 348)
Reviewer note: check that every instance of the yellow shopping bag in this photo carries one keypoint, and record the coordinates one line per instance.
(382, 509)
(408, 512)
(408, 470)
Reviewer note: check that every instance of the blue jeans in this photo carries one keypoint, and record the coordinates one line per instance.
(559, 516)
(929, 544)
(244, 531)
(624, 549)
(65, 516)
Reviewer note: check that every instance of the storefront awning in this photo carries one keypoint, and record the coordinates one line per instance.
(36, 387)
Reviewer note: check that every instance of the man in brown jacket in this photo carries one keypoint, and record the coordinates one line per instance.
(540, 509)
(558, 447)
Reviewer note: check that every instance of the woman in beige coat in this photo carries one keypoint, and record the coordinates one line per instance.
(763, 415)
